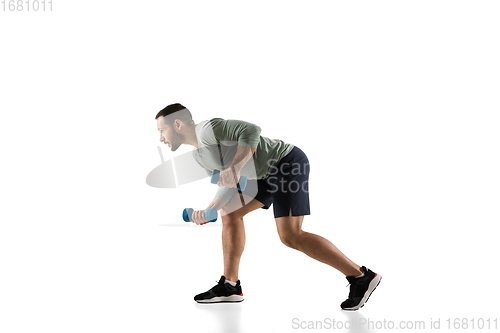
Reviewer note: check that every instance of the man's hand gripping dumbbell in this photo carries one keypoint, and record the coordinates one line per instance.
(228, 178)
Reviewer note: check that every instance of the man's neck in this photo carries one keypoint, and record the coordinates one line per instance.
(191, 138)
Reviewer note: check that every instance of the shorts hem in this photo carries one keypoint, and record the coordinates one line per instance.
(299, 213)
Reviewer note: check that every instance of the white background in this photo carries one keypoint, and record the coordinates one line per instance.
(396, 104)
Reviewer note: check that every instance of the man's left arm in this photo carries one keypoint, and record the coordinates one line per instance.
(247, 136)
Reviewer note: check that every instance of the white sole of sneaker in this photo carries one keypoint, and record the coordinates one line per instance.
(223, 299)
(371, 287)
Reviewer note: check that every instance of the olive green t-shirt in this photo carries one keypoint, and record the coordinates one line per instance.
(218, 140)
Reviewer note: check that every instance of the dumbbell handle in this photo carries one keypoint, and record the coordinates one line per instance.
(210, 214)
(242, 183)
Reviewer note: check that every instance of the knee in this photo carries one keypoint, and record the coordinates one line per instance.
(289, 239)
(231, 219)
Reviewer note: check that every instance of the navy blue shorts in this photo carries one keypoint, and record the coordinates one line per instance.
(287, 186)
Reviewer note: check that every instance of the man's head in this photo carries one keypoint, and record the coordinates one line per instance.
(173, 122)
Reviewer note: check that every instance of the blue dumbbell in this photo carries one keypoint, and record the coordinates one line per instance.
(210, 214)
(242, 184)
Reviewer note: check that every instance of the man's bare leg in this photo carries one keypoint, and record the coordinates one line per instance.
(233, 234)
(317, 247)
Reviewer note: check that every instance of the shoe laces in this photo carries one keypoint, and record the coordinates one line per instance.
(354, 288)
(218, 285)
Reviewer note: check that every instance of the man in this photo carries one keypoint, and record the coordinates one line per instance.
(280, 172)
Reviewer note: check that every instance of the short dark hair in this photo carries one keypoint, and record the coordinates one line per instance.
(181, 112)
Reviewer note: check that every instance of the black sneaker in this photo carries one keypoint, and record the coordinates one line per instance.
(361, 289)
(221, 293)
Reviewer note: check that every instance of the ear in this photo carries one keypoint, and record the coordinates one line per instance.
(177, 124)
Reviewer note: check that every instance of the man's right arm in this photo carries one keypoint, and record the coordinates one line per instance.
(219, 201)
(198, 216)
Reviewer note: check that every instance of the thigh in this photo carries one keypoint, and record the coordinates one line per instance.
(240, 205)
(289, 225)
